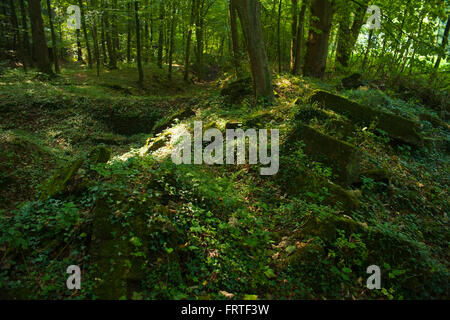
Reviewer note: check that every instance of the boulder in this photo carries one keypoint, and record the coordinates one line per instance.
(397, 127)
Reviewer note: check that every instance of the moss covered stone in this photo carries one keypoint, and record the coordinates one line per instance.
(342, 157)
(99, 154)
(179, 115)
(60, 181)
(395, 126)
(318, 186)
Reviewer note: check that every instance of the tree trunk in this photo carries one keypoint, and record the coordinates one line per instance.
(138, 44)
(129, 34)
(52, 30)
(25, 37)
(110, 42)
(172, 39)
(38, 35)
(199, 37)
(444, 44)
(86, 39)
(319, 34)
(347, 36)
(234, 38)
(249, 12)
(95, 39)
(79, 50)
(15, 24)
(161, 33)
(300, 39)
(294, 10)
(187, 54)
(279, 36)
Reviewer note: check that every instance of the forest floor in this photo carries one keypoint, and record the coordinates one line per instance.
(142, 227)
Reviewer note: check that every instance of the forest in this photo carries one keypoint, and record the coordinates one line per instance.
(339, 187)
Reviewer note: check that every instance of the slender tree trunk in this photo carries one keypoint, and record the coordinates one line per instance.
(444, 44)
(25, 37)
(95, 39)
(234, 38)
(300, 41)
(161, 33)
(129, 34)
(138, 44)
(319, 34)
(250, 16)
(86, 39)
(38, 35)
(369, 43)
(102, 39)
(79, 50)
(294, 10)
(279, 36)
(52, 31)
(187, 54)
(172, 39)
(15, 24)
(199, 36)
(110, 42)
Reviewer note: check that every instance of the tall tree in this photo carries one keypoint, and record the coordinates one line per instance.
(349, 31)
(15, 24)
(249, 12)
(294, 13)
(172, 38)
(39, 42)
(86, 39)
(161, 33)
(187, 53)
(25, 37)
(234, 37)
(52, 31)
(300, 38)
(319, 34)
(138, 44)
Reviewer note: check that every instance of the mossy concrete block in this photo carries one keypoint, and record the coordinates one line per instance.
(118, 271)
(179, 115)
(395, 126)
(99, 154)
(342, 157)
(58, 184)
(333, 194)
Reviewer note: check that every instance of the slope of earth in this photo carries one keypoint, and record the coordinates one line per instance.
(141, 227)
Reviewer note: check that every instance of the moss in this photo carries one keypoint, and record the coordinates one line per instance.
(332, 194)
(377, 174)
(179, 115)
(158, 142)
(258, 120)
(118, 271)
(308, 113)
(60, 181)
(341, 156)
(395, 126)
(99, 154)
